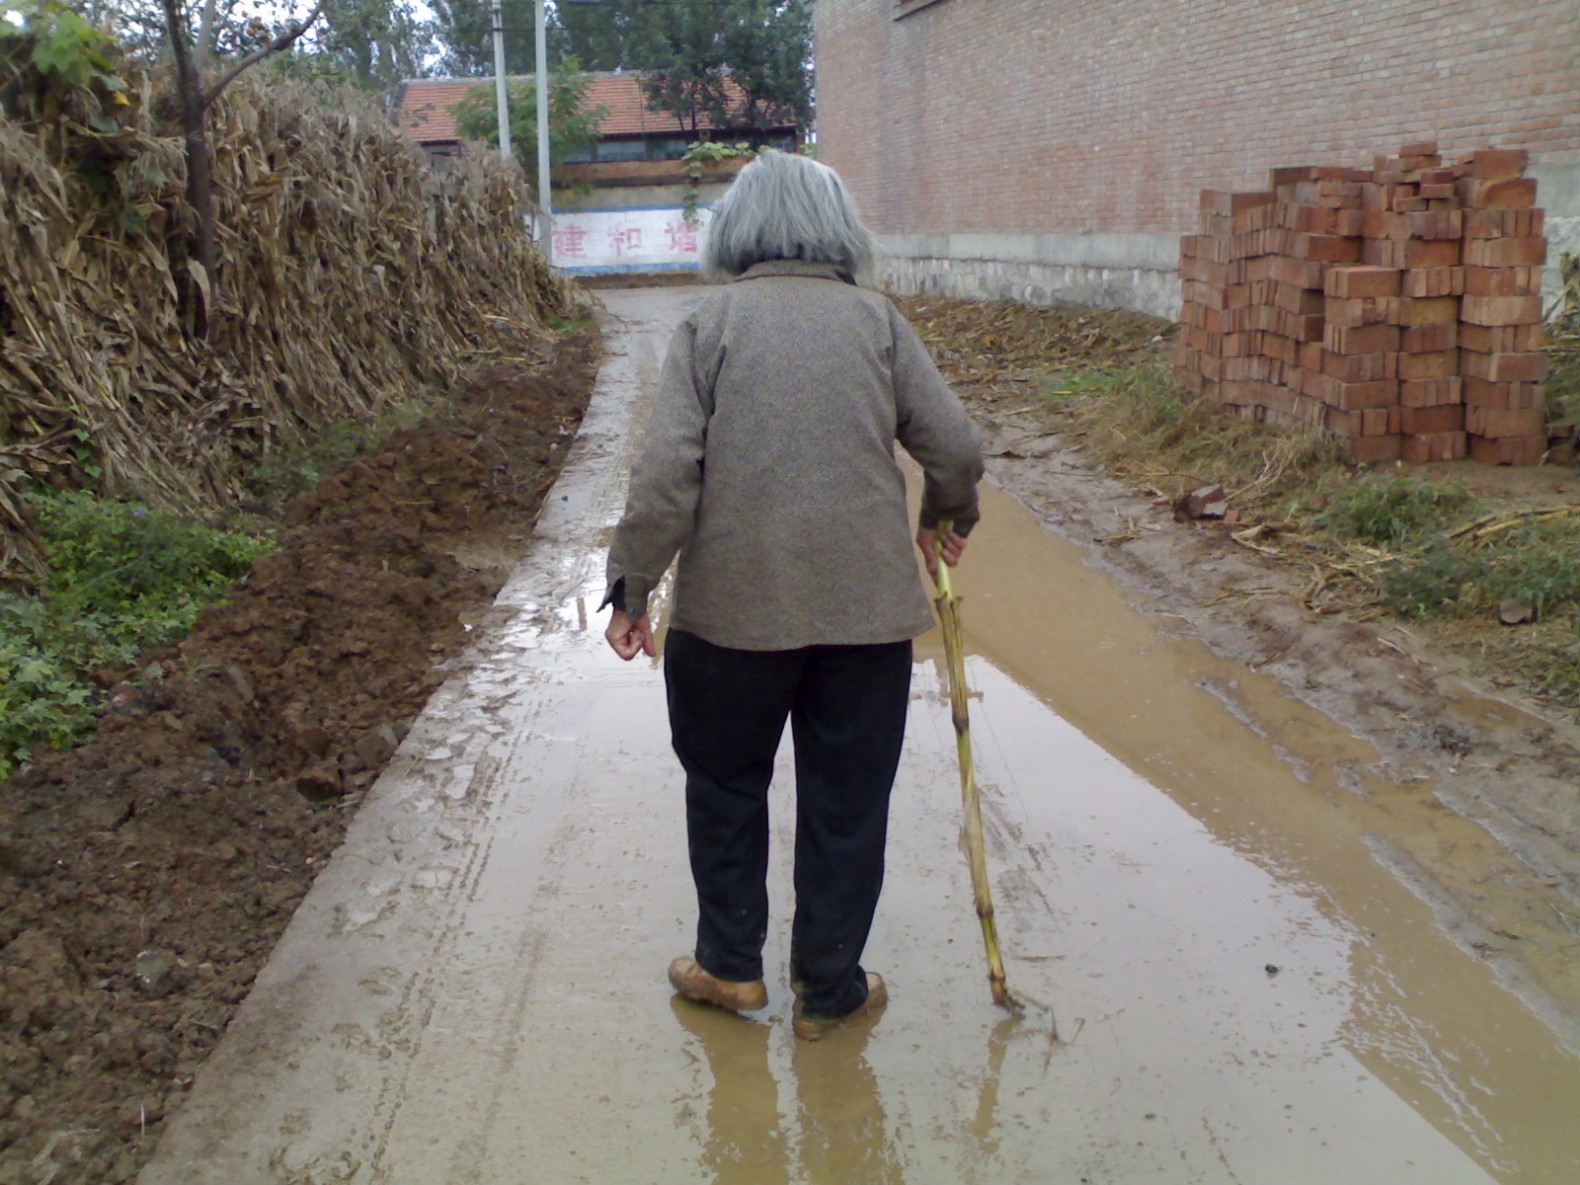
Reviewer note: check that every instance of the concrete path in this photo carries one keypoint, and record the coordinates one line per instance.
(1187, 869)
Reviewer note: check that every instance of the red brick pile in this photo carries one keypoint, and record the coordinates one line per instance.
(1397, 306)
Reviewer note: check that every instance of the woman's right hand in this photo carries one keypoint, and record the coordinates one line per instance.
(929, 541)
(629, 638)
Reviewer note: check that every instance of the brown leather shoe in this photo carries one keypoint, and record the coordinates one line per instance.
(688, 978)
(813, 1028)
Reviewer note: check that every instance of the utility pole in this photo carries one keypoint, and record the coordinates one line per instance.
(545, 191)
(501, 98)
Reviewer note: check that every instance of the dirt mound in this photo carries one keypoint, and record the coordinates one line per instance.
(146, 876)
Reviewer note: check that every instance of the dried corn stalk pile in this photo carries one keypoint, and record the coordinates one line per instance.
(348, 274)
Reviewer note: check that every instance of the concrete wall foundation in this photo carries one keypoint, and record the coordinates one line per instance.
(1115, 271)
(1126, 271)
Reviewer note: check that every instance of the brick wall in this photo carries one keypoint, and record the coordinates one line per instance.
(1036, 120)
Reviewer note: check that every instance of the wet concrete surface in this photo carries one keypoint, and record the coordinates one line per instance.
(1200, 875)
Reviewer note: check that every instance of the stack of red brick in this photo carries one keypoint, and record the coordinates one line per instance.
(1397, 306)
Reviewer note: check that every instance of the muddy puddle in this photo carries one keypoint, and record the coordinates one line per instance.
(1247, 887)
(1209, 883)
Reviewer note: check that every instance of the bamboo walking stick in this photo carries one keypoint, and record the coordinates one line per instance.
(948, 606)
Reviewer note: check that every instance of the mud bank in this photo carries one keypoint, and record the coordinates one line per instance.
(145, 878)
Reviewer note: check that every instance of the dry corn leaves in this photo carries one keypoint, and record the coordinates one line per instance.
(991, 349)
(349, 274)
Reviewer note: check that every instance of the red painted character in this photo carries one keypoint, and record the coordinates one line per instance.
(682, 236)
(624, 239)
(570, 242)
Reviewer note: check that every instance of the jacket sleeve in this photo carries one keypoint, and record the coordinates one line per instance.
(666, 480)
(933, 427)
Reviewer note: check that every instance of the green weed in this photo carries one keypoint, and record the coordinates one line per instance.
(1389, 512)
(1427, 582)
(44, 701)
(1146, 390)
(568, 325)
(287, 472)
(1558, 674)
(1062, 386)
(121, 578)
(1535, 565)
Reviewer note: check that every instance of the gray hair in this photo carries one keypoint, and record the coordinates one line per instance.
(786, 207)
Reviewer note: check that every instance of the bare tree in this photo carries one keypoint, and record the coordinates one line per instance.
(197, 95)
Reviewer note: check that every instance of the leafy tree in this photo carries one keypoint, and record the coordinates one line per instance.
(611, 34)
(572, 123)
(690, 51)
(465, 29)
(371, 43)
(589, 31)
(685, 50)
(198, 86)
(768, 52)
(236, 27)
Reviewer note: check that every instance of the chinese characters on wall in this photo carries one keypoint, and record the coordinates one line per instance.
(590, 240)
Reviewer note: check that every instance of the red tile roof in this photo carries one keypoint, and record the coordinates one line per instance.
(427, 107)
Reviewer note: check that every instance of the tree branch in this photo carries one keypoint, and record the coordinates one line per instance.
(205, 37)
(178, 40)
(284, 41)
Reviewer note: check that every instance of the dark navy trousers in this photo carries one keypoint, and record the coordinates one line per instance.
(727, 710)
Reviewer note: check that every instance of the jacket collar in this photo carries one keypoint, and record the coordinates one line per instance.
(796, 267)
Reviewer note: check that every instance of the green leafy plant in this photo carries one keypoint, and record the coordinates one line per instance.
(62, 43)
(698, 155)
(1534, 565)
(1387, 512)
(44, 699)
(117, 555)
(68, 50)
(573, 124)
(122, 578)
(1426, 582)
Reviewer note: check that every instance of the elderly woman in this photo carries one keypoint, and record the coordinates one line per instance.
(769, 466)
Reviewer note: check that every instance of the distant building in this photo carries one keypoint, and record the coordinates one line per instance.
(630, 219)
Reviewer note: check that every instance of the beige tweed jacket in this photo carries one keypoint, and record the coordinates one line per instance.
(769, 466)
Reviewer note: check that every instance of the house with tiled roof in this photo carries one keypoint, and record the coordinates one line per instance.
(625, 210)
(630, 131)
